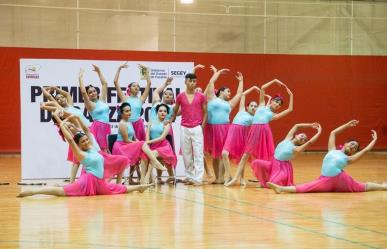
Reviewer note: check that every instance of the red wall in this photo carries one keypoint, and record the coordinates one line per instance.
(327, 89)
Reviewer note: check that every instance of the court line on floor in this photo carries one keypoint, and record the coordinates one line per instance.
(53, 243)
(289, 212)
(274, 221)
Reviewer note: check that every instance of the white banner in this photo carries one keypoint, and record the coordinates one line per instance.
(43, 151)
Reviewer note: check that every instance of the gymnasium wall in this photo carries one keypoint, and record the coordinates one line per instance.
(328, 89)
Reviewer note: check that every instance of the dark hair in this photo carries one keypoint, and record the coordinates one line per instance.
(120, 108)
(354, 140)
(131, 83)
(160, 105)
(190, 76)
(168, 89)
(222, 89)
(278, 99)
(78, 136)
(88, 87)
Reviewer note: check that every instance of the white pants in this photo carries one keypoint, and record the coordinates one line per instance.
(191, 142)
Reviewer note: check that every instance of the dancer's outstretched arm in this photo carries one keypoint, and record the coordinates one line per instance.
(120, 94)
(158, 91)
(263, 90)
(332, 136)
(302, 148)
(290, 107)
(65, 94)
(103, 95)
(69, 137)
(234, 101)
(211, 84)
(90, 105)
(145, 95)
(360, 154)
(242, 102)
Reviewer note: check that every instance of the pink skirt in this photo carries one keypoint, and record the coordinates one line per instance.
(214, 138)
(236, 141)
(166, 152)
(100, 131)
(139, 129)
(259, 142)
(133, 151)
(275, 171)
(88, 184)
(71, 157)
(113, 164)
(340, 183)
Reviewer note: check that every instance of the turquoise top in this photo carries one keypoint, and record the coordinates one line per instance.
(93, 163)
(334, 163)
(153, 113)
(263, 115)
(136, 107)
(284, 150)
(243, 118)
(130, 132)
(218, 111)
(100, 112)
(78, 112)
(156, 129)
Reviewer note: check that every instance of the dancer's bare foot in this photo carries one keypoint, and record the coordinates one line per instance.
(142, 188)
(275, 187)
(233, 182)
(159, 180)
(25, 193)
(227, 179)
(210, 179)
(171, 179)
(218, 181)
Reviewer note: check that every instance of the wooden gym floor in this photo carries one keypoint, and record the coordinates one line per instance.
(210, 216)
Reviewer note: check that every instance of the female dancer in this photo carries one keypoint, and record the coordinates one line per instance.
(114, 165)
(219, 107)
(90, 183)
(64, 100)
(134, 101)
(259, 142)
(156, 135)
(333, 178)
(97, 107)
(127, 144)
(280, 170)
(236, 137)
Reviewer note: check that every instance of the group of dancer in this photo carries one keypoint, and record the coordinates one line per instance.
(205, 132)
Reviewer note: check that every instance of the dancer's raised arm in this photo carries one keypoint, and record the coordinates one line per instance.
(120, 94)
(103, 95)
(338, 130)
(360, 154)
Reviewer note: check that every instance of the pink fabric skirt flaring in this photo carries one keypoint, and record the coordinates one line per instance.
(214, 138)
(165, 151)
(340, 183)
(133, 151)
(100, 131)
(275, 171)
(259, 142)
(88, 184)
(139, 129)
(113, 164)
(236, 141)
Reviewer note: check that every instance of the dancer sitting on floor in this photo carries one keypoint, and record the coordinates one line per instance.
(333, 178)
